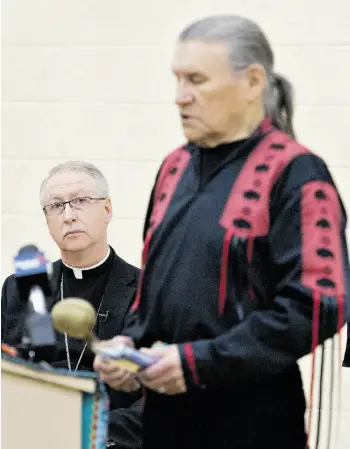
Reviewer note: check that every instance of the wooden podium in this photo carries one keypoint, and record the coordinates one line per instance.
(45, 408)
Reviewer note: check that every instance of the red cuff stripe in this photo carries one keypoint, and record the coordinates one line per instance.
(191, 362)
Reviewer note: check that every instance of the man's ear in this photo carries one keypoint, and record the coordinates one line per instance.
(108, 210)
(256, 75)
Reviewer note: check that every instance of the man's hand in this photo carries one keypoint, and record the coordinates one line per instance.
(111, 374)
(166, 375)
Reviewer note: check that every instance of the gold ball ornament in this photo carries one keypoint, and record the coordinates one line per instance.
(75, 317)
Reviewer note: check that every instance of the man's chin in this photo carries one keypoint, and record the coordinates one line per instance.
(78, 243)
(192, 135)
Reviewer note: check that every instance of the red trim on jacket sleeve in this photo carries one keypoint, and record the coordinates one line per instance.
(322, 267)
(191, 362)
(322, 258)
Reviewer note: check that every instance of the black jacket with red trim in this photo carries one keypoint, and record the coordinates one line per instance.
(246, 268)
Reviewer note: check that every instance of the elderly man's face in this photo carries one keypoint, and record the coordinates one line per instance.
(210, 97)
(83, 225)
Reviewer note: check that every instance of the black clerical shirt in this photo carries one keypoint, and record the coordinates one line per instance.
(89, 284)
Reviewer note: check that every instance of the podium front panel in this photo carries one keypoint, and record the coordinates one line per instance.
(45, 408)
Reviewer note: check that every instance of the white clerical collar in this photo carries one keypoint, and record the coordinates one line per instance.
(78, 272)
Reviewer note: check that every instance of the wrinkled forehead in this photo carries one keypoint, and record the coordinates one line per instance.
(68, 184)
(202, 57)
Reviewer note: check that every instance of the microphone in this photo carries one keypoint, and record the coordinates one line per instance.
(31, 274)
(31, 270)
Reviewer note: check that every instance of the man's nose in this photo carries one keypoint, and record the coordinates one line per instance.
(69, 213)
(183, 96)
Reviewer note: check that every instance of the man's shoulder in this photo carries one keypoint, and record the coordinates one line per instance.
(294, 161)
(9, 282)
(9, 293)
(303, 169)
(131, 268)
(125, 267)
(56, 264)
(183, 151)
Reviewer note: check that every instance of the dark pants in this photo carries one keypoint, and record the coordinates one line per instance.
(268, 415)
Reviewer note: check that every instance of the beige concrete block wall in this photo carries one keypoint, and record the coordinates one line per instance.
(90, 79)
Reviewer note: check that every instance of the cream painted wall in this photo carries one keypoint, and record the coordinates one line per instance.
(90, 79)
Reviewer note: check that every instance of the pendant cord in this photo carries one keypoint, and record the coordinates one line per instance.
(66, 336)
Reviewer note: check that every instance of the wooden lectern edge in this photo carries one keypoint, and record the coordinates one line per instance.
(71, 382)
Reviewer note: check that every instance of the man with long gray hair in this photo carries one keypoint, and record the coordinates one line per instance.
(245, 266)
(78, 209)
